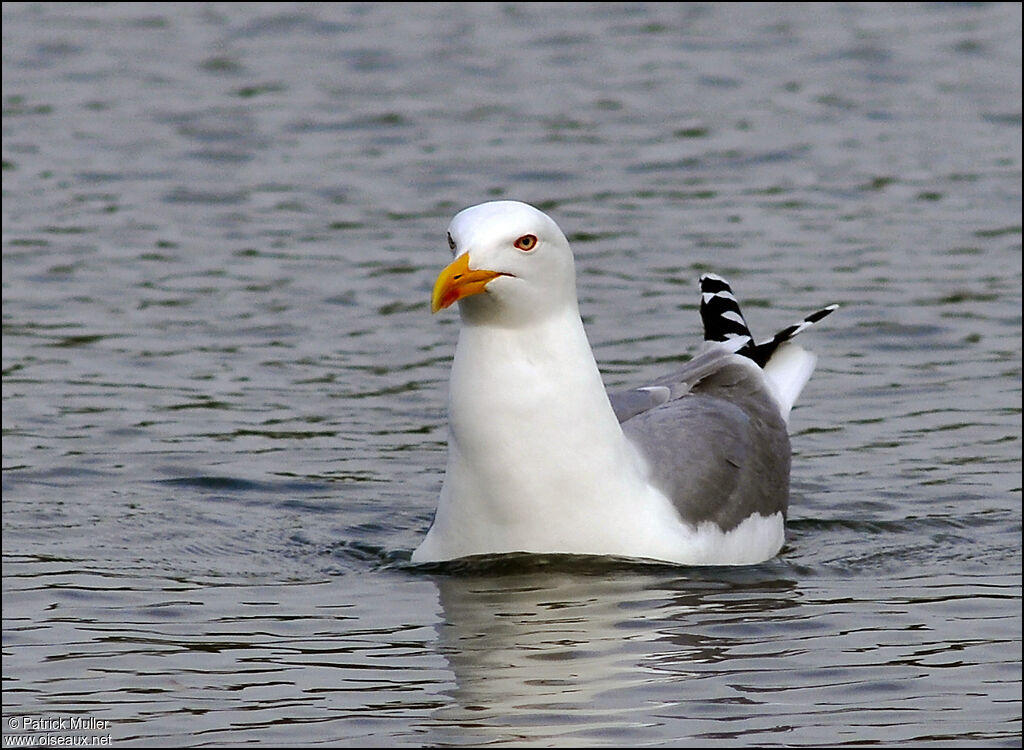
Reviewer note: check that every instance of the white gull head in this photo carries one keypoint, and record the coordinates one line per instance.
(518, 253)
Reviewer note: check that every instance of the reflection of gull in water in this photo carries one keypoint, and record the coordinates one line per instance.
(575, 656)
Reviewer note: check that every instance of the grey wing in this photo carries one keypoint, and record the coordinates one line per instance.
(628, 404)
(716, 443)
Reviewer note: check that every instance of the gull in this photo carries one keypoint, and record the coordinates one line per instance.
(691, 468)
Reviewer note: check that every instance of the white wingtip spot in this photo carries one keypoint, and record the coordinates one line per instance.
(708, 296)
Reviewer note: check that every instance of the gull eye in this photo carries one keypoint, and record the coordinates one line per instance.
(451, 242)
(526, 243)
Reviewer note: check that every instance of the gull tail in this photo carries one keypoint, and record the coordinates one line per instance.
(787, 366)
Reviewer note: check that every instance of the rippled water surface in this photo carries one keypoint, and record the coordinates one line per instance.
(224, 395)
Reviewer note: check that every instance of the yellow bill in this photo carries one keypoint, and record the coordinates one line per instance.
(458, 281)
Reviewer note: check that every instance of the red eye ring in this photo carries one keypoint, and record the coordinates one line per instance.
(526, 243)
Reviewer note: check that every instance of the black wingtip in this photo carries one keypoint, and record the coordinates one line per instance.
(720, 313)
(763, 352)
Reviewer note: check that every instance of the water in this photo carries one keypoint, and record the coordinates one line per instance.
(223, 394)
